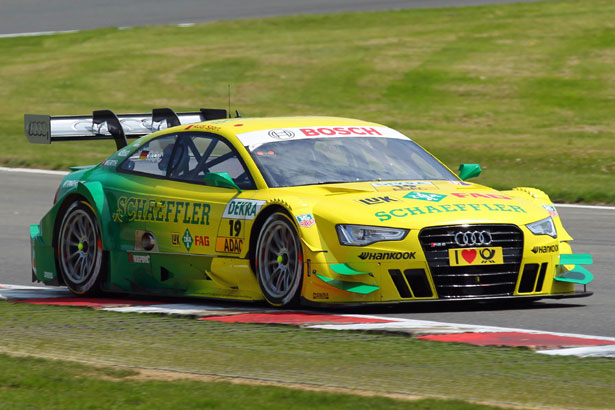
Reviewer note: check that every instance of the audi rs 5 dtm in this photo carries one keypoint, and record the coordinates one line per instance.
(313, 210)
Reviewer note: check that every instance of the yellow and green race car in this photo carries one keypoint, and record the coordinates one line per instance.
(311, 210)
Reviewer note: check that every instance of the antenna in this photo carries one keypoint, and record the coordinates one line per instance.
(229, 100)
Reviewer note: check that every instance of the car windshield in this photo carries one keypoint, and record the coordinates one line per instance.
(331, 160)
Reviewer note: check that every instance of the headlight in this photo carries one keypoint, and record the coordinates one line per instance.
(361, 235)
(543, 227)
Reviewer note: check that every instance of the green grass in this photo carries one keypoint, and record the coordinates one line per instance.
(526, 90)
(30, 383)
(352, 360)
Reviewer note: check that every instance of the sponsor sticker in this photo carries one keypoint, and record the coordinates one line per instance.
(377, 200)
(48, 275)
(551, 210)
(459, 183)
(434, 209)
(546, 249)
(153, 156)
(402, 184)
(70, 183)
(380, 256)
(281, 134)
(123, 153)
(138, 258)
(475, 256)
(110, 162)
(242, 208)
(479, 195)
(201, 240)
(229, 245)
(256, 138)
(175, 238)
(305, 220)
(320, 295)
(131, 209)
(205, 127)
(334, 131)
(408, 188)
(187, 240)
(425, 196)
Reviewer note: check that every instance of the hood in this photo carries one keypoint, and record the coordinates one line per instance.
(417, 204)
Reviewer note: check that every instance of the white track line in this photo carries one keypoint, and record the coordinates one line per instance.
(34, 171)
(37, 33)
(431, 327)
(50, 33)
(592, 351)
(610, 208)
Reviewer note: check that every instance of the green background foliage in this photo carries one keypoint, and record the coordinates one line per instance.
(526, 90)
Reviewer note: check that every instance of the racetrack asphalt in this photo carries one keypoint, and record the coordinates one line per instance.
(33, 16)
(27, 196)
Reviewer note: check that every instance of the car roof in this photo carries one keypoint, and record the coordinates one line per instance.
(242, 125)
(239, 131)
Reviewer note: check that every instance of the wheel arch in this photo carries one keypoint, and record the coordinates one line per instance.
(258, 224)
(92, 193)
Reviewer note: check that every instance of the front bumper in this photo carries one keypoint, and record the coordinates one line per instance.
(459, 301)
(535, 275)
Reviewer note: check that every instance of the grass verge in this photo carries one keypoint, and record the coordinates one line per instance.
(373, 362)
(27, 383)
(525, 89)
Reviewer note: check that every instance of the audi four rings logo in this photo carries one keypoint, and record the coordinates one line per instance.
(473, 238)
(37, 129)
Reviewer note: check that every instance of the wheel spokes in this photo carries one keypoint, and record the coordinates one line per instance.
(78, 246)
(277, 259)
(278, 241)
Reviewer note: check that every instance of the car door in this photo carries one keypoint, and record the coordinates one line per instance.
(185, 212)
(129, 194)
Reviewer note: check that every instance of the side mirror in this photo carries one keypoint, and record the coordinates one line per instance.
(467, 171)
(221, 179)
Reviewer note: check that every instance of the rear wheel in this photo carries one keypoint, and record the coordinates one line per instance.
(80, 254)
(279, 261)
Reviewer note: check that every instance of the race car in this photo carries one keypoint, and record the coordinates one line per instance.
(297, 210)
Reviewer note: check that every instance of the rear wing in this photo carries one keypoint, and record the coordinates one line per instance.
(105, 124)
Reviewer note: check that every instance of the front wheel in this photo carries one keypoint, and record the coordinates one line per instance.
(80, 254)
(279, 261)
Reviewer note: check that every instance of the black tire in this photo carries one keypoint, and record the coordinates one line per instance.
(278, 261)
(80, 253)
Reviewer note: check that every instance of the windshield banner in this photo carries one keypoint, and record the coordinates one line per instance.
(255, 138)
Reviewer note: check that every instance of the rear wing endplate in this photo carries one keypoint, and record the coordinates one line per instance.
(105, 124)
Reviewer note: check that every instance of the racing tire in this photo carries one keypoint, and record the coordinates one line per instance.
(80, 253)
(279, 261)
